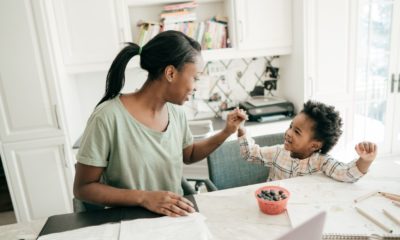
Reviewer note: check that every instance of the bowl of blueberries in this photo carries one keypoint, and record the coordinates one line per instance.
(272, 200)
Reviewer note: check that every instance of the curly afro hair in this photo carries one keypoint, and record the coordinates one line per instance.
(327, 123)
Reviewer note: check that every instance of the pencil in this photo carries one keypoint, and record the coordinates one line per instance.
(390, 196)
(372, 219)
(391, 216)
(396, 203)
(359, 199)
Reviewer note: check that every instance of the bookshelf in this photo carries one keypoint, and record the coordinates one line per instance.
(232, 9)
(91, 39)
(150, 12)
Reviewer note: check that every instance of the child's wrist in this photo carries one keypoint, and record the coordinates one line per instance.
(366, 160)
(241, 132)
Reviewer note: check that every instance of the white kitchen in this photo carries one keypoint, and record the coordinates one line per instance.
(55, 55)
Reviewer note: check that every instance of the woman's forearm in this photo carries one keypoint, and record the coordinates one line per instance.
(98, 193)
(203, 148)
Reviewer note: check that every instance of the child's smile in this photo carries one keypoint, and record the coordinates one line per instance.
(299, 138)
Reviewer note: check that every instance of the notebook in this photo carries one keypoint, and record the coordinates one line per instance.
(311, 229)
(338, 236)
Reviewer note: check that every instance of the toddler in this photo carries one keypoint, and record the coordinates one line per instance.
(310, 136)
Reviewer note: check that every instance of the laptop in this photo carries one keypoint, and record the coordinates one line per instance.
(310, 229)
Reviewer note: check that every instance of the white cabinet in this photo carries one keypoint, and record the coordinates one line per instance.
(263, 25)
(39, 177)
(321, 66)
(90, 32)
(32, 132)
(329, 58)
(27, 101)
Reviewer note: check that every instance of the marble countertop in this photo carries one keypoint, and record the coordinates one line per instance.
(234, 214)
(22, 231)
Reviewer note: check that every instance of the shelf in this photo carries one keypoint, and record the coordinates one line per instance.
(231, 53)
(163, 2)
(208, 56)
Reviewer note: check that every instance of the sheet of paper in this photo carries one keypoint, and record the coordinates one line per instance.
(175, 228)
(101, 232)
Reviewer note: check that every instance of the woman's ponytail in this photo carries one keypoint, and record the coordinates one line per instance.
(116, 75)
(166, 48)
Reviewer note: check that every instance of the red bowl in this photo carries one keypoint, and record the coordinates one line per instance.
(272, 207)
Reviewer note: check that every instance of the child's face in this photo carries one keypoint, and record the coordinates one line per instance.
(299, 138)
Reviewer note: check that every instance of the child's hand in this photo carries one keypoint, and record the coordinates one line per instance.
(234, 120)
(367, 151)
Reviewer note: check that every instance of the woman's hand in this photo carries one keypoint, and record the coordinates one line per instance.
(167, 203)
(234, 120)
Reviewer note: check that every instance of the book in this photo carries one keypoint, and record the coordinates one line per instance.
(179, 6)
(190, 16)
(147, 30)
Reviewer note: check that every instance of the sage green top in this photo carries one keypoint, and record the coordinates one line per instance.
(135, 156)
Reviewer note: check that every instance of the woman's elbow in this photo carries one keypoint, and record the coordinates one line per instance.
(77, 191)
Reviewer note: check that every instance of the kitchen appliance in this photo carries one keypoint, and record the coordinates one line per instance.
(267, 109)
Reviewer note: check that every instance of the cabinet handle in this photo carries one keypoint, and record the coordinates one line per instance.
(56, 113)
(398, 84)
(64, 156)
(240, 31)
(392, 84)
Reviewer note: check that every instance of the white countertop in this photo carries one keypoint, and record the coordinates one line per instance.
(234, 214)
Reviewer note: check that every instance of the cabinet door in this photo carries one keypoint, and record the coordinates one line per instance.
(263, 24)
(27, 95)
(329, 34)
(39, 178)
(91, 32)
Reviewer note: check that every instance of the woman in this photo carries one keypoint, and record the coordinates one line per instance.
(135, 144)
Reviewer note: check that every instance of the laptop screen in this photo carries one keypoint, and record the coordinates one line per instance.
(310, 229)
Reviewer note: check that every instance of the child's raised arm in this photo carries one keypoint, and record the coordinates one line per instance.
(367, 152)
(234, 120)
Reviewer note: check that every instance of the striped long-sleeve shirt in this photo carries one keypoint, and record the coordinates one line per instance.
(283, 166)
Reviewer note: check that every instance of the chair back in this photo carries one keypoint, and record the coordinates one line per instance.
(227, 169)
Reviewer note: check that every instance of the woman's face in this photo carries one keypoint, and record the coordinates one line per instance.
(183, 83)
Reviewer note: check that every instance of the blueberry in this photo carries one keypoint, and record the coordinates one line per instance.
(272, 193)
(283, 196)
(280, 192)
(275, 198)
